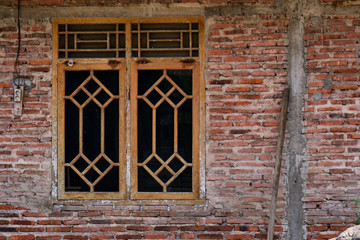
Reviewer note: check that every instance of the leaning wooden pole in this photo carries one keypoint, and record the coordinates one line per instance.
(278, 160)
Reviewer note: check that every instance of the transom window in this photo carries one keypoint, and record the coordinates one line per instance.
(128, 107)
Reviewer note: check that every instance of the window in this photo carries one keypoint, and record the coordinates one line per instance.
(128, 107)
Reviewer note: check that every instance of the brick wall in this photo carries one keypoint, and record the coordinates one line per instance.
(246, 72)
(25, 142)
(332, 119)
(246, 76)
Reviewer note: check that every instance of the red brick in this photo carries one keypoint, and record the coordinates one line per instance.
(155, 236)
(187, 236)
(84, 229)
(128, 236)
(100, 237)
(210, 236)
(22, 222)
(6, 207)
(22, 237)
(240, 236)
(236, 59)
(59, 229)
(238, 89)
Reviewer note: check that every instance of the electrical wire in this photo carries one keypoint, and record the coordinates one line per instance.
(16, 64)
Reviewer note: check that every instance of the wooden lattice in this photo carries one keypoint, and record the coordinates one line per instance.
(91, 40)
(165, 40)
(154, 158)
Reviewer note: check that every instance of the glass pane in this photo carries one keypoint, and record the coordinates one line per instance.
(102, 164)
(102, 97)
(165, 175)
(147, 78)
(73, 79)
(112, 131)
(185, 131)
(91, 131)
(71, 131)
(146, 183)
(183, 183)
(153, 165)
(73, 183)
(176, 164)
(91, 27)
(182, 78)
(110, 182)
(110, 79)
(91, 175)
(144, 131)
(92, 86)
(81, 164)
(81, 97)
(164, 131)
(92, 54)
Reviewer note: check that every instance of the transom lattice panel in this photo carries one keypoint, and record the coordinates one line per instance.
(165, 40)
(166, 130)
(91, 41)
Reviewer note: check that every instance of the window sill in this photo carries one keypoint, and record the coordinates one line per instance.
(201, 202)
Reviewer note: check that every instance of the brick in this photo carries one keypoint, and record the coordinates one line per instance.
(138, 228)
(240, 236)
(22, 237)
(238, 89)
(158, 236)
(80, 237)
(219, 228)
(49, 238)
(6, 207)
(210, 236)
(128, 236)
(31, 229)
(192, 228)
(60, 229)
(8, 229)
(100, 237)
(112, 229)
(84, 229)
(166, 228)
(236, 59)
(187, 236)
(22, 222)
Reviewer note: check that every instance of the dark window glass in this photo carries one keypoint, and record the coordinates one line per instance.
(179, 177)
(79, 174)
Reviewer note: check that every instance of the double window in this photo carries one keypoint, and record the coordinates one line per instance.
(128, 107)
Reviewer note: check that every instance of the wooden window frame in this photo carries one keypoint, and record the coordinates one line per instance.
(127, 194)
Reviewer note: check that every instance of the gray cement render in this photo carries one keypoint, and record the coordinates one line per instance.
(296, 148)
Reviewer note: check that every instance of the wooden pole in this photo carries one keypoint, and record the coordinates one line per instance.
(280, 143)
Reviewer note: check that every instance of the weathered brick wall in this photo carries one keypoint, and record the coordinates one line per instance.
(246, 72)
(25, 142)
(246, 77)
(241, 132)
(332, 119)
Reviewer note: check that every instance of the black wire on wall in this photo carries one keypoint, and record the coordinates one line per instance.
(16, 64)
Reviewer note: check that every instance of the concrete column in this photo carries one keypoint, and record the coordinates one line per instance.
(296, 148)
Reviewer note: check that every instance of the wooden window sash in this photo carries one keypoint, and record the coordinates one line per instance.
(61, 132)
(135, 194)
